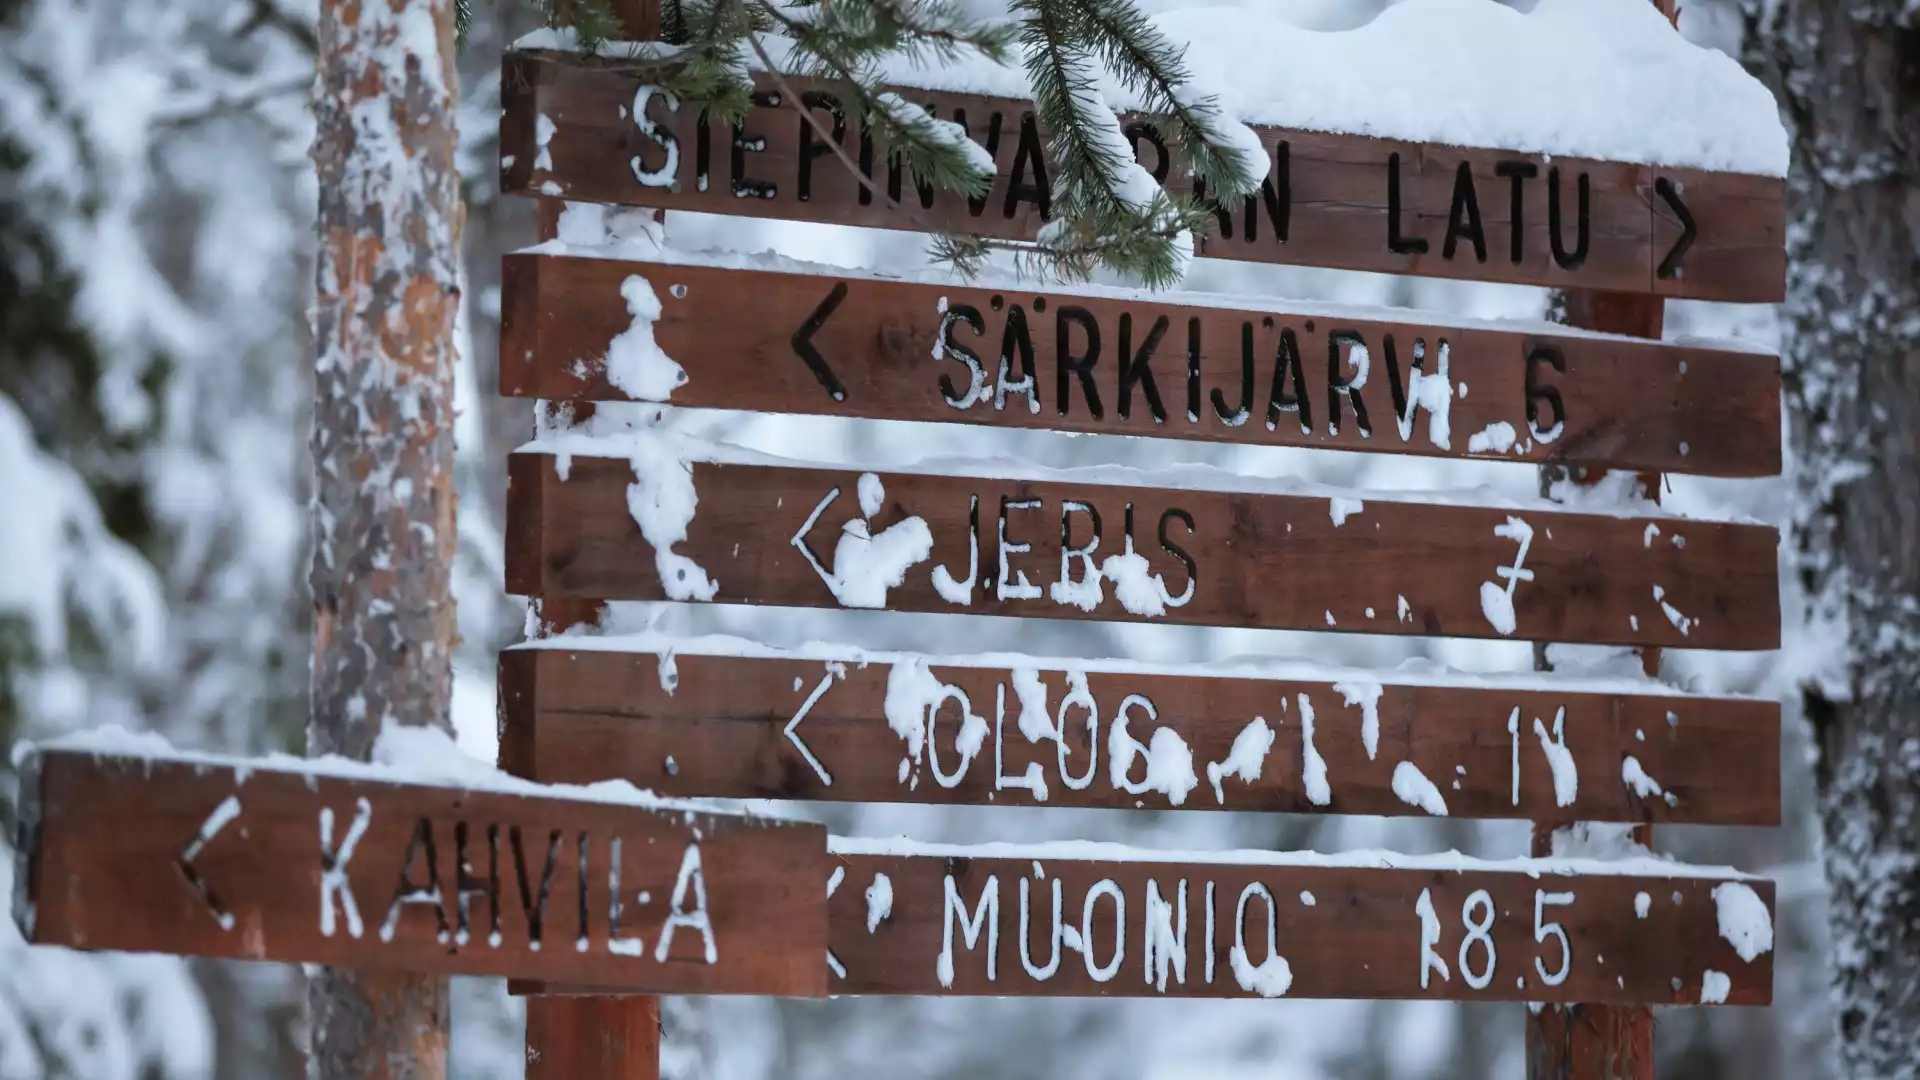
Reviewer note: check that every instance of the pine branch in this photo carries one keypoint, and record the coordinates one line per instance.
(1223, 153)
(936, 152)
(1107, 209)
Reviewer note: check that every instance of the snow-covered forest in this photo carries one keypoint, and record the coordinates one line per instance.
(156, 266)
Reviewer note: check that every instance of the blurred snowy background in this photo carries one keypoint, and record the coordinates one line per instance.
(155, 213)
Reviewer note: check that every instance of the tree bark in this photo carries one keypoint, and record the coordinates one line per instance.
(388, 290)
(1848, 79)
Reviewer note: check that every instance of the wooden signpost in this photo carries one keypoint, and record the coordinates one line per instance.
(1342, 201)
(1056, 549)
(773, 727)
(1016, 922)
(1165, 365)
(568, 895)
(251, 861)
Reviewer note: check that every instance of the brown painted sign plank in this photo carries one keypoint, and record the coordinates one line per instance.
(897, 350)
(792, 728)
(262, 863)
(995, 920)
(1342, 201)
(798, 537)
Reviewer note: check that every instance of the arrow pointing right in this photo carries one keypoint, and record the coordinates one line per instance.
(803, 341)
(1669, 193)
(221, 817)
(826, 683)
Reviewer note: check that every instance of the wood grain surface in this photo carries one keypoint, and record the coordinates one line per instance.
(775, 728)
(1133, 364)
(154, 855)
(1221, 559)
(1340, 201)
(985, 925)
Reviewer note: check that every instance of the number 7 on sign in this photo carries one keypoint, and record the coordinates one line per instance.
(1496, 601)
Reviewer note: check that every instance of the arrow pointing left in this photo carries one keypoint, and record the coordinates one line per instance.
(221, 817)
(826, 683)
(803, 341)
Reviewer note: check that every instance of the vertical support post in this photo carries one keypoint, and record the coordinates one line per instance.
(387, 291)
(1599, 1042)
(593, 1038)
(581, 1037)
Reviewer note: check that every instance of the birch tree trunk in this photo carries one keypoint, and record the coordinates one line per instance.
(383, 504)
(1848, 78)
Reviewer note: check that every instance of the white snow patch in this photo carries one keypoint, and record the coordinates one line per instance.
(865, 566)
(1642, 904)
(1169, 763)
(1496, 438)
(543, 130)
(1680, 622)
(662, 501)
(873, 494)
(1270, 978)
(1639, 864)
(1744, 919)
(1378, 79)
(1340, 508)
(1307, 898)
(1313, 767)
(1367, 696)
(1714, 986)
(1496, 601)
(914, 698)
(879, 901)
(1244, 760)
(1136, 586)
(1566, 775)
(1414, 789)
(636, 365)
(1643, 785)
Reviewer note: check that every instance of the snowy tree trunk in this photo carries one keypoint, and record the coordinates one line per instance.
(1848, 79)
(383, 503)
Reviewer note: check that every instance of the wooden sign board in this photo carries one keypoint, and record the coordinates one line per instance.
(1341, 201)
(998, 921)
(249, 862)
(802, 537)
(903, 731)
(1125, 363)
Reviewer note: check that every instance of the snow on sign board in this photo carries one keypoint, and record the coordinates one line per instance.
(851, 727)
(241, 860)
(1090, 920)
(647, 525)
(1335, 200)
(1129, 362)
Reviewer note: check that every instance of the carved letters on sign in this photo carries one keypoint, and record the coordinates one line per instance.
(232, 859)
(1116, 362)
(1007, 921)
(867, 727)
(1560, 201)
(1341, 201)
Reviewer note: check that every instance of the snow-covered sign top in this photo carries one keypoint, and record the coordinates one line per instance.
(1583, 146)
(1607, 79)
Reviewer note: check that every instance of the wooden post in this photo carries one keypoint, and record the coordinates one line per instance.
(387, 293)
(593, 1038)
(1600, 1042)
(577, 1037)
